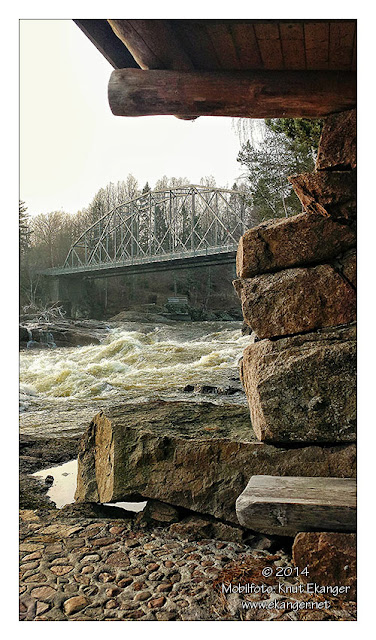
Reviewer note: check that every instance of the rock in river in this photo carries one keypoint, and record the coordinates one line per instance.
(197, 456)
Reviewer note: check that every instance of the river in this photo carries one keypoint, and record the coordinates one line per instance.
(62, 388)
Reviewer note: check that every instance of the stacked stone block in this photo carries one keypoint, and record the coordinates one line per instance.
(297, 285)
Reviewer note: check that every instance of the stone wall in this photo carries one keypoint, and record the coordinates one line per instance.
(297, 286)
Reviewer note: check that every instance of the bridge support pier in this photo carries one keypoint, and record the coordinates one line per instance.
(74, 294)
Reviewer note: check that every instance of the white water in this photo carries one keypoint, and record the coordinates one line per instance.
(134, 362)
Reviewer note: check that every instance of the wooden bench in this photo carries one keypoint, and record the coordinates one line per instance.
(286, 505)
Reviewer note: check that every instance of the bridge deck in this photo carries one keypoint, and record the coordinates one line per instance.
(207, 257)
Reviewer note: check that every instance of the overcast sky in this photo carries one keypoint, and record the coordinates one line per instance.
(70, 143)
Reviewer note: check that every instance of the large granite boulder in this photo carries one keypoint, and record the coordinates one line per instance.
(296, 300)
(337, 148)
(330, 558)
(289, 242)
(303, 388)
(195, 456)
(329, 193)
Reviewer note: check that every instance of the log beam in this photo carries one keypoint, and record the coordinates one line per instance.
(243, 94)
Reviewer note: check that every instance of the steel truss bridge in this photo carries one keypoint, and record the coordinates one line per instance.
(174, 228)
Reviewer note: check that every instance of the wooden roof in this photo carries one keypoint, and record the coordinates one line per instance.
(208, 45)
(290, 59)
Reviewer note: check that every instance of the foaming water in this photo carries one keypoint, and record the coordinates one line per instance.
(135, 361)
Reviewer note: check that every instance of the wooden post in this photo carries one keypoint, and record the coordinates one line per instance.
(250, 94)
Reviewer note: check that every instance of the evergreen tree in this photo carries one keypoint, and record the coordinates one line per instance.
(24, 228)
(304, 132)
(269, 162)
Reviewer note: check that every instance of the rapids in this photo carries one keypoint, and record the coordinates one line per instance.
(134, 362)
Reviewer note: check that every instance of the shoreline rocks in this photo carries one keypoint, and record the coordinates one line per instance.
(37, 454)
(60, 334)
(330, 559)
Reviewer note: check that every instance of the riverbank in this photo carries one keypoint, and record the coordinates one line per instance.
(129, 360)
(170, 387)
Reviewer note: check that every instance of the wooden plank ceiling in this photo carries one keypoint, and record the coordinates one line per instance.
(239, 68)
(208, 45)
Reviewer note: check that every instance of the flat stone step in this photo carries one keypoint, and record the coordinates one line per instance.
(286, 505)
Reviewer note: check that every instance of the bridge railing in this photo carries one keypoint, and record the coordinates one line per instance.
(160, 225)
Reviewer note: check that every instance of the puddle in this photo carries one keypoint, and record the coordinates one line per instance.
(63, 488)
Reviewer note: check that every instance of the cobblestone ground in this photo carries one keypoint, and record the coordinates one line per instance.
(95, 569)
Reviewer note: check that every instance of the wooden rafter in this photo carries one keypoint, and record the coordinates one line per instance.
(253, 94)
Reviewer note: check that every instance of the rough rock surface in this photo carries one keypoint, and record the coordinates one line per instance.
(195, 456)
(303, 388)
(159, 512)
(24, 335)
(286, 242)
(329, 193)
(330, 558)
(41, 453)
(196, 527)
(348, 266)
(296, 300)
(337, 148)
(89, 569)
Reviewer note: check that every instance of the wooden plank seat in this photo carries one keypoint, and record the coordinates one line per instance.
(286, 505)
